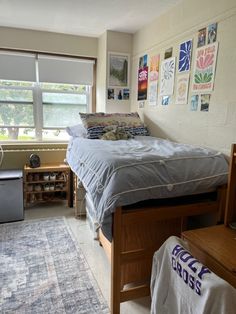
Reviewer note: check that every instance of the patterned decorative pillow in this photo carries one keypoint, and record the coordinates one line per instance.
(93, 122)
(96, 122)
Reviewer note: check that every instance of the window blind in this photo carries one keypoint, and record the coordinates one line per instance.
(17, 66)
(65, 70)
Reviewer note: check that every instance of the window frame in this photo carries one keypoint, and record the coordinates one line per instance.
(37, 92)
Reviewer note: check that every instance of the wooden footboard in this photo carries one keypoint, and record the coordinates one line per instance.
(137, 233)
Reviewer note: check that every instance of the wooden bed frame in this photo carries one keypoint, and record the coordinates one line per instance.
(230, 212)
(138, 231)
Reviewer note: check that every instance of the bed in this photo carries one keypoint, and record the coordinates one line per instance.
(142, 190)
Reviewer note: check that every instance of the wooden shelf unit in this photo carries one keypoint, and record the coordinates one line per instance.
(46, 183)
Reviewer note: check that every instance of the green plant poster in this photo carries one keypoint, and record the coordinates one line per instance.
(204, 69)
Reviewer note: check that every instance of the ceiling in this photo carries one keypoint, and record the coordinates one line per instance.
(82, 17)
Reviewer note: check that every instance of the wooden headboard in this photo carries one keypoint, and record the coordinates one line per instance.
(230, 212)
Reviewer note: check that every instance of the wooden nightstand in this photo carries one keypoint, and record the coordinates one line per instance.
(46, 183)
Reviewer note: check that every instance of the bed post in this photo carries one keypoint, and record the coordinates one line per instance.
(116, 262)
(221, 198)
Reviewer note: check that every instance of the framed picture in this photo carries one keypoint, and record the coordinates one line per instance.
(118, 70)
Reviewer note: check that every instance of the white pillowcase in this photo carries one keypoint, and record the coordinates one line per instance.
(77, 130)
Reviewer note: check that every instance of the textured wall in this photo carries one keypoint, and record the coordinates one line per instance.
(216, 128)
(48, 42)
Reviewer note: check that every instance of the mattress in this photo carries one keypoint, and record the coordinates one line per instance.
(118, 173)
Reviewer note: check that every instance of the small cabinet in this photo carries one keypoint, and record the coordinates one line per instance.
(47, 183)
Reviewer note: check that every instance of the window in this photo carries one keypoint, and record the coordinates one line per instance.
(16, 110)
(40, 107)
(61, 104)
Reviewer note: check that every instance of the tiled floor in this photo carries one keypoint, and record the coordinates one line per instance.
(94, 254)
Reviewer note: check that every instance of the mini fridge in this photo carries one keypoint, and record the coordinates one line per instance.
(11, 195)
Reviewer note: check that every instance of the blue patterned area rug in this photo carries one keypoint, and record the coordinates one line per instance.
(43, 270)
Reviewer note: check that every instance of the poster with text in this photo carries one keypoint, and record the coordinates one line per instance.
(167, 77)
(182, 89)
(142, 78)
(204, 69)
(153, 79)
(185, 51)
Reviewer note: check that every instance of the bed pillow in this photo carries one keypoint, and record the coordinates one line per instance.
(77, 130)
(96, 122)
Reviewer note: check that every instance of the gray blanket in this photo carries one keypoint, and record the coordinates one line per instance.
(124, 172)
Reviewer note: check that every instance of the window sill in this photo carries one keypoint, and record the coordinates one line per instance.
(33, 145)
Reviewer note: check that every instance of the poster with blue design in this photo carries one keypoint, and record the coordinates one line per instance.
(167, 77)
(185, 52)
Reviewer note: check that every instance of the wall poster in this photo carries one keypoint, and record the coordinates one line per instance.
(167, 76)
(165, 100)
(153, 79)
(205, 102)
(182, 89)
(201, 37)
(185, 51)
(204, 69)
(142, 78)
(212, 33)
(168, 53)
(194, 103)
(118, 70)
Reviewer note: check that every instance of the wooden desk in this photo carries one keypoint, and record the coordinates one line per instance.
(215, 247)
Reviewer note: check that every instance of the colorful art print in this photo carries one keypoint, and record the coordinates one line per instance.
(167, 77)
(204, 69)
(154, 68)
(185, 52)
(142, 83)
(201, 37)
(125, 93)
(182, 89)
(143, 62)
(165, 100)
(212, 33)
(205, 102)
(118, 70)
(168, 53)
(194, 102)
(153, 77)
(110, 93)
